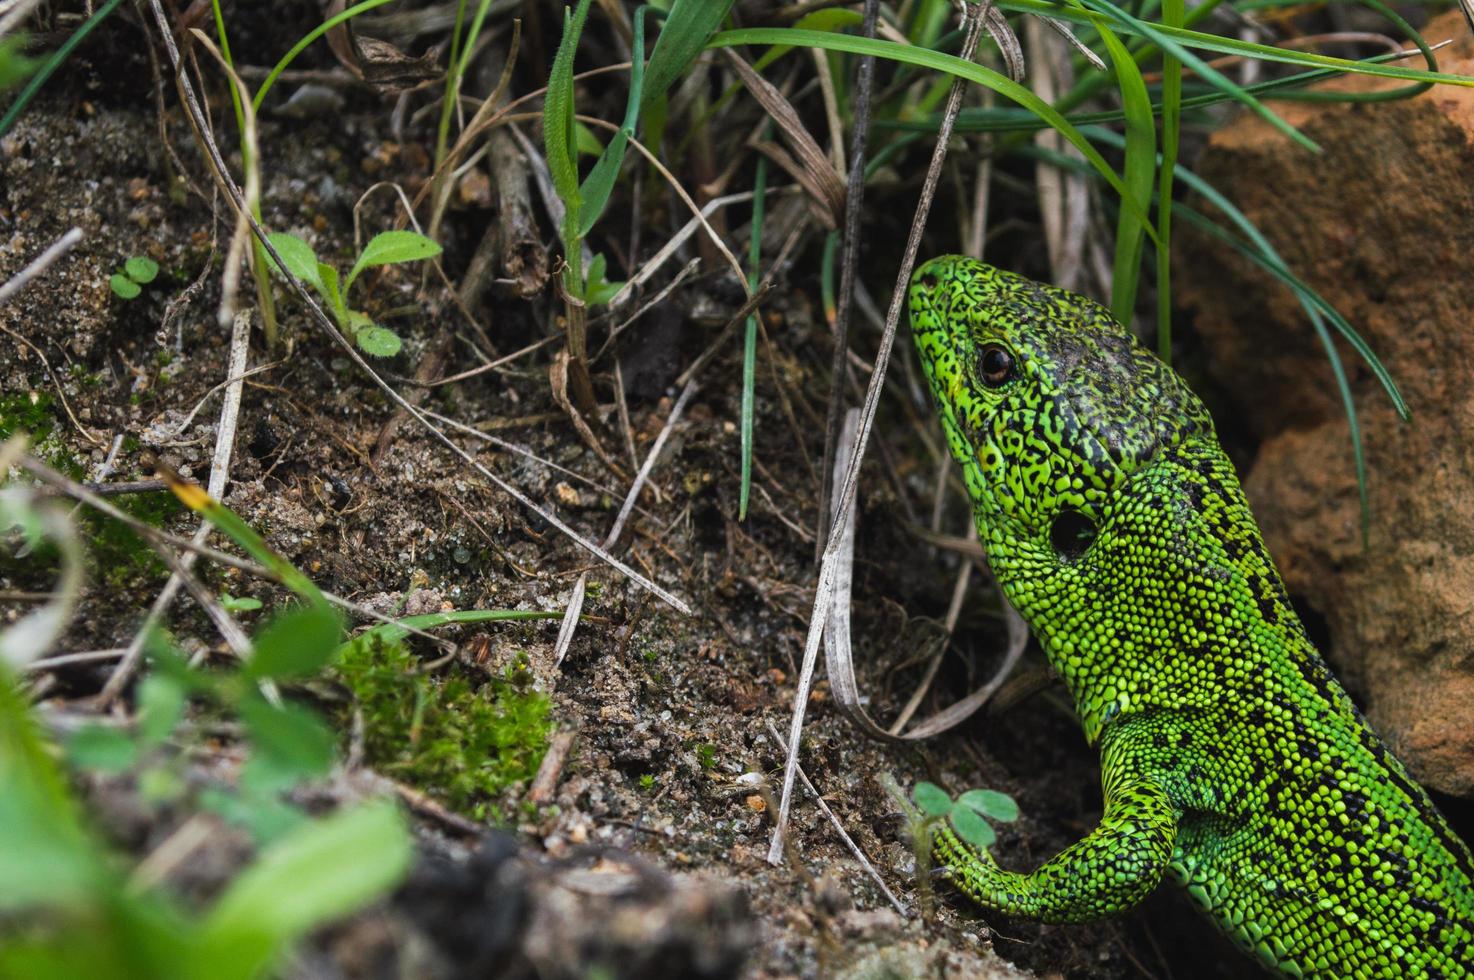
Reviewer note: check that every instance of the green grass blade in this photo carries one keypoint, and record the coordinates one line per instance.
(306, 40)
(1008, 119)
(1202, 68)
(52, 63)
(1140, 169)
(935, 60)
(1308, 296)
(599, 184)
(1259, 251)
(1313, 310)
(560, 145)
(749, 340)
(1174, 13)
(193, 496)
(1246, 49)
(559, 140)
(686, 30)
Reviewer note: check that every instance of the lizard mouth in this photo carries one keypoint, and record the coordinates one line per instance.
(942, 349)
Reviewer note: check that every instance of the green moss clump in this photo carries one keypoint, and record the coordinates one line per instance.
(462, 743)
(28, 412)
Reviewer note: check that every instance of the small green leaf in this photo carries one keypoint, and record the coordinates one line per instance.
(329, 291)
(161, 701)
(378, 341)
(599, 290)
(587, 143)
(320, 872)
(123, 287)
(141, 269)
(991, 804)
(294, 738)
(932, 799)
(101, 748)
(298, 258)
(392, 248)
(971, 827)
(686, 31)
(558, 133)
(239, 604)
(297, 643)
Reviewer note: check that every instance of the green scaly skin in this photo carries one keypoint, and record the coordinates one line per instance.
(1232, 762)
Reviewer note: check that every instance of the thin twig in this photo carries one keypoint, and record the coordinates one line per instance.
(80, 657)
(849, 842)
(575, 602)
(157, 537)
(240, 339)
(849, 260)
(827, 567)
(40, 264)
(60, 388)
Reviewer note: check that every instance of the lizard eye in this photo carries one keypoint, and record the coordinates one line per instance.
(1072, 533)
(995, 365)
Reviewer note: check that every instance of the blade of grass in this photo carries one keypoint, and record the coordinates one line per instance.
(52, 63)
(392, 632)
(1139, 170)
(1174, 12)
(193, 496)
(1201, 67)
(1313, 311)
(1259, 251)
(600, 181)
(1247, 49)
(749, 340)
(687, 27)
(1007, 119)
(950, 64)
(306, 41)
(561, 146)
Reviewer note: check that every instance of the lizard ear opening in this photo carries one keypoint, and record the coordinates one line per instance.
(1071, 534)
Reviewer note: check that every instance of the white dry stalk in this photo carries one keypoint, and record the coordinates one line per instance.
(839, 656)
(575, 602)
(1064, 203)
(828, 565)
(39, 264)
(325, 323)
(11, 14)
(240, 348)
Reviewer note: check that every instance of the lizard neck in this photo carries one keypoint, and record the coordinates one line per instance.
(1175, 605)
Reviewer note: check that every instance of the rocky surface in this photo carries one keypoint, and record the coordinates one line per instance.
(1382, 225)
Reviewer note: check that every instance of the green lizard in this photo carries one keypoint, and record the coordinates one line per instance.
(1232, 762)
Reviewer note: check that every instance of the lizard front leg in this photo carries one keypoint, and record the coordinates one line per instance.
(1103, 874)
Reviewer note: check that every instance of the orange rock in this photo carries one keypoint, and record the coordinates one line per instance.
(1382, 225)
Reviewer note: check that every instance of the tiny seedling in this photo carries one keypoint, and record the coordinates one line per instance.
(969, 813)
(706, 755)
(385, 248)
(968, 816)
(239, 604)
(137, 272)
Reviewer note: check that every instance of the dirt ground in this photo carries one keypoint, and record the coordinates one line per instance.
(648, 860)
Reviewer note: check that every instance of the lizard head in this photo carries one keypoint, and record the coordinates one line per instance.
(1048, 403)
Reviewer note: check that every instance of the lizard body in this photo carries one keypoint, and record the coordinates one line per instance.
(1232, 761)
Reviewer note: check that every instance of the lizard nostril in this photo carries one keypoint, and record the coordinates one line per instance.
(928, 281)
(1071, 534)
